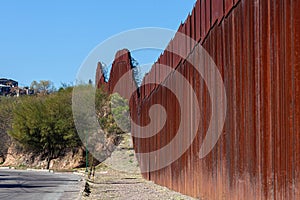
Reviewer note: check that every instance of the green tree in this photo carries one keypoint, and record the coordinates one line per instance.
(120, 111)
(42, 87)
(45, 124)
(6, 116)
(114, 115)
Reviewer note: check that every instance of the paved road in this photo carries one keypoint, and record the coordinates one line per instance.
(29, 185)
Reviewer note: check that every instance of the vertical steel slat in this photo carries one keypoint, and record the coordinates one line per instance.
(197, 23)
(217, 10)
(203, 19)
(296, 85)
(228, 6)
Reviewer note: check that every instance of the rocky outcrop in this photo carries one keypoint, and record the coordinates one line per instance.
(71, 158)
(16, 156)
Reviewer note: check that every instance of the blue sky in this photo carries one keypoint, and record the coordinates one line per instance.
(49, 40)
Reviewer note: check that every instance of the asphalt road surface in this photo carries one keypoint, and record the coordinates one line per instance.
(30, 185)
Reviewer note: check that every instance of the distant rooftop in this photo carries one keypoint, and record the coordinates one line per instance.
(9, 82)
(4, 85)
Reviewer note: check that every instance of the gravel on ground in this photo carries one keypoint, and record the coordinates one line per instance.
(111, 184)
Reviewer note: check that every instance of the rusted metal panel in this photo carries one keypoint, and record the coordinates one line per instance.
(183, 46)
(143, 92)
(257, 65)
(147, 87)
(179, 44)
(296, 91)
(197, 22)
(221, 175)
(188, 34)
(176, 46)
(161, 70)
(157, 75)
(203, 19)
(154, 86)
(265, 73)
(169, 53)
(257, 51)
(163, 62)
(152, 78)
(207, 15)
(217, 10)
(277, 75)
(174, 56)
(169, 58)
(228, 6)
(193, 26)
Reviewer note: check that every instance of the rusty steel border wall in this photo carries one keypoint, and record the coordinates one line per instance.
(256, 47)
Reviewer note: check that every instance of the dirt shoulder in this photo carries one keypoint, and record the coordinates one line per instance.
(111, 184)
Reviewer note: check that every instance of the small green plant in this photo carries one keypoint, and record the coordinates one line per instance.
(22, 166)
